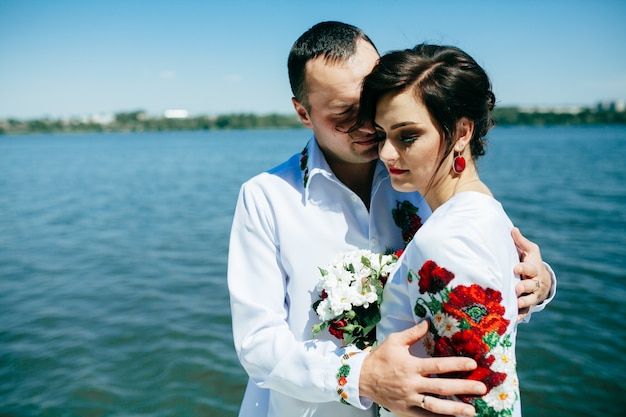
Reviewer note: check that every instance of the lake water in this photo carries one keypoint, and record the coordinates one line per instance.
(113, 247)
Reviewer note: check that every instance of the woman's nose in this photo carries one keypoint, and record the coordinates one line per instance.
(386, 151)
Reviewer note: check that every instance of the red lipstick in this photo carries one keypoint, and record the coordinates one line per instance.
(396, 171)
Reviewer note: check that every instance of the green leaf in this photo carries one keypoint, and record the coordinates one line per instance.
(344, 371)
(420, 310)
(491, 339)
(464, 325)
(318, 328)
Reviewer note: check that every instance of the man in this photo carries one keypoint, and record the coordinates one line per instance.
(332, 197)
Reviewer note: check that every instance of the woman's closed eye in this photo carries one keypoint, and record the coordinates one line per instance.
(380, 135)
(409, 138)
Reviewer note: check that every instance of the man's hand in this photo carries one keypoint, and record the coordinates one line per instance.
(536, 281)
(398, 381)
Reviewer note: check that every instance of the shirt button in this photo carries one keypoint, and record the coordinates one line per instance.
(373, 242)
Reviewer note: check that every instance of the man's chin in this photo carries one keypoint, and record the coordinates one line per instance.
(369, 154)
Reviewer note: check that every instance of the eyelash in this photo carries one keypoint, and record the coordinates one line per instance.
(409, 139)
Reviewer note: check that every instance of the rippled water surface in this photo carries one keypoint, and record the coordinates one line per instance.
(113, 248)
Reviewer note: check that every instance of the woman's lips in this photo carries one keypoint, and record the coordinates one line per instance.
(396, 171)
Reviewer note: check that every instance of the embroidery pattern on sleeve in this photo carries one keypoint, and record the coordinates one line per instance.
(304, 167)
(468, 321)
(406, 218)
(342, 376)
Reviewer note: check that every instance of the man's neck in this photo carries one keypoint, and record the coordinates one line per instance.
(357, 177)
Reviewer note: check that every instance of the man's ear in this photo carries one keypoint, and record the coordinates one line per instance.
(464, 133)
(302, 112)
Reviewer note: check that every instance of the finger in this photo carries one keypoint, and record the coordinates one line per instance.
(435, 366)
(446, 407)
(545, 280)
(450, 386)
(538, 285)
(413, 334)
(527, 286)
(526, 301)
(520, 241)
(526, 270)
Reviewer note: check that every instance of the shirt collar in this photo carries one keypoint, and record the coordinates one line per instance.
(313, 163)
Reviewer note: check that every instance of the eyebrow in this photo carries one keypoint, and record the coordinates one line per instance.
(397, 125)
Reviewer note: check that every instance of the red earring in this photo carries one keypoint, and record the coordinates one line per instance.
(459, 163)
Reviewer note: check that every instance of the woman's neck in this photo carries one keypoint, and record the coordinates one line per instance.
(452, 185)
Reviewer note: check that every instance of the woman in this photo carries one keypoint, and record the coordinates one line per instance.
(431, 106)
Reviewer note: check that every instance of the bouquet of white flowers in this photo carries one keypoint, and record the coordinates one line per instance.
(350, 295)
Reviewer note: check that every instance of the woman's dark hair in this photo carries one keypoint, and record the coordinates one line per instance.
(335, 41)
(447, 80)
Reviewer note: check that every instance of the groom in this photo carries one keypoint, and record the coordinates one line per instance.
(332, 197)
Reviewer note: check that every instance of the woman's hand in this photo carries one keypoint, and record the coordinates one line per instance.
(536, 281)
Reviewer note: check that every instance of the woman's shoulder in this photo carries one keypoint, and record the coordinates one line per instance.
(468, 218)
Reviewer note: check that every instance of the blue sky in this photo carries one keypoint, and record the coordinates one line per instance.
(63, 58)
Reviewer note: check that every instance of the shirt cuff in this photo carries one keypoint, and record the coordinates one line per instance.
(348, 378)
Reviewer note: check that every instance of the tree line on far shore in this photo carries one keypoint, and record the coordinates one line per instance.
(137, 121)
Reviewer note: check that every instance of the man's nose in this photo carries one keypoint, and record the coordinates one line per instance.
(368, 128)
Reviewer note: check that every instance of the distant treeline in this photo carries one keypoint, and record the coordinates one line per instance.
(516, 116)
(137, 121)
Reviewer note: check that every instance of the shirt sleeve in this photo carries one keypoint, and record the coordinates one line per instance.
(309, 370)
(461, 279)
(465, 286)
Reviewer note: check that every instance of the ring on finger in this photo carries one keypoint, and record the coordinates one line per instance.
(423, 402)
(537, 284)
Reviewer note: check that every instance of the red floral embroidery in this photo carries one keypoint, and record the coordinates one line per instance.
(406, 218)
(480, 307)
(466, 343)
(468, 321)
(433, 278)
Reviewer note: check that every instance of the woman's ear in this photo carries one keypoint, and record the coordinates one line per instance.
(302, 112)
(464, 133)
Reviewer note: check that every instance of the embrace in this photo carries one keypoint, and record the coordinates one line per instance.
(390, 168)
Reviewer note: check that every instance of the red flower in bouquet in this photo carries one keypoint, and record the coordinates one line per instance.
(336, 328)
